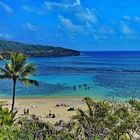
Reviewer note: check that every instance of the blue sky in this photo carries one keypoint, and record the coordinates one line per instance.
(77, 24)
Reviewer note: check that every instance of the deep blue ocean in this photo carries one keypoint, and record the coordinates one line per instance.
(101, 75)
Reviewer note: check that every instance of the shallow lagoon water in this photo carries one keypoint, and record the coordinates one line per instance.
(108, 75)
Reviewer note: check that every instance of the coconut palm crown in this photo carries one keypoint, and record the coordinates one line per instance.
(17, 69)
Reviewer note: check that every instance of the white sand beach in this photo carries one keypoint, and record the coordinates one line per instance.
(42, 107)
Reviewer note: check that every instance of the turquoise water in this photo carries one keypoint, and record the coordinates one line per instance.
(107, 75)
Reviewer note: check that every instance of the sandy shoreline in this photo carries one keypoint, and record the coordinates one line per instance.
(41, 107)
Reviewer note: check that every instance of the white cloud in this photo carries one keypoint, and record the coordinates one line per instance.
(78, 2)
(6, 7)
(52, 5)
(67, 23)
(137, 18)
(6, 36)
(27, 8)
(126, 29)
(132, 18)
(59, 35)
(107, 30)
(87, 16)
(72, 37)
(127, 17)
(30, 26)
(39, 11)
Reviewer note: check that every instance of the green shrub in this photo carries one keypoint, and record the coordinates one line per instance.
(103, 120)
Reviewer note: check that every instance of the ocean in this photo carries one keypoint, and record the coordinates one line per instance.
(100, 75)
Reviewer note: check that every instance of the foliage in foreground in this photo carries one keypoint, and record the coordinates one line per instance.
(109, 121)
(103, 120)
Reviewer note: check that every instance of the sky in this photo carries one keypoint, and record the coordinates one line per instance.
(94, 25)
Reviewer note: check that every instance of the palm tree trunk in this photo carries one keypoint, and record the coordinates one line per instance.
(14, 92)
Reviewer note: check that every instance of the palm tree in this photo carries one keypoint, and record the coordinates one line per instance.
(17, 69)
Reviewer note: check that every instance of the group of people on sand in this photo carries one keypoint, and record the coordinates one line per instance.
(27, 111)
(65, 105)
(47, 115)
(50, 115)
(80, 86)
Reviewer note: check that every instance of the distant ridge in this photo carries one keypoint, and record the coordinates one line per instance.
(35, 50)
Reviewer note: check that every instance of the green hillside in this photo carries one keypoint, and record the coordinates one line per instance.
(35, 50)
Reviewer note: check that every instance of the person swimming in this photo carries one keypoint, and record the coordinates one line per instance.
(74, 87)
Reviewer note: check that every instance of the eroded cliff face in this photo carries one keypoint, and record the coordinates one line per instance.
(35, 50)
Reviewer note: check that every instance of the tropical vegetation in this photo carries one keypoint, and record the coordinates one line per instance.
(103, 120)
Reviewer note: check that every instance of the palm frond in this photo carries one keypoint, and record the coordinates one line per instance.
(28, 82)
(9, 67)
(89, 103)
(5, 73)
(1, 57)
(18, 60)
(27, 70)
(5, 77)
